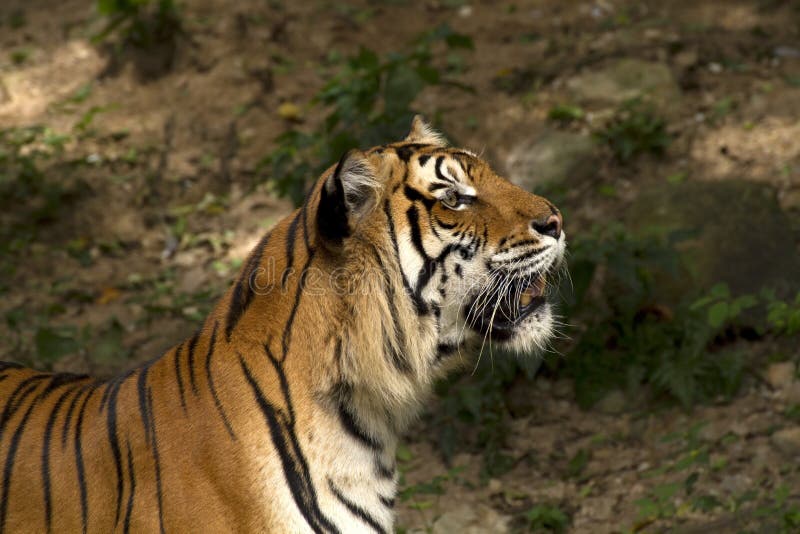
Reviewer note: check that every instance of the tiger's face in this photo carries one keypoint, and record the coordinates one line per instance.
(487, 248)
(476, 253)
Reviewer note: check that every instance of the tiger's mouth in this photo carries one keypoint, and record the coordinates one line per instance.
(498, 310)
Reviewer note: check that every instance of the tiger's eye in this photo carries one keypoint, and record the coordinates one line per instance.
(450, 199)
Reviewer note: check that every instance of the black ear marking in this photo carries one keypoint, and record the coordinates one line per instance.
(346, 196)
(332, 223)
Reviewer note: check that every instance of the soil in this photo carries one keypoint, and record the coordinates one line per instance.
(166, 197)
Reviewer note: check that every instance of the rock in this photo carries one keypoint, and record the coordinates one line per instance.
(780, 375)
(551, 157)
(598, 508)
(614, 402)
(723, 222)
(623, 80)
(787, 441)
(471, 519)
(792, 393)
(736, 483)
(193, 279)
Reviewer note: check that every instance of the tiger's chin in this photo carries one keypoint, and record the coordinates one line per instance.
(521, 320)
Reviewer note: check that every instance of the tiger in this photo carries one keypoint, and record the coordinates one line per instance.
(282, 413)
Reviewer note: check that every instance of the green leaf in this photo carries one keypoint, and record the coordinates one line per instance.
(459, 40)
(717, 314)
(52, 344)
(578, 463)
(666, 491)
(721, 291)
(404, 453)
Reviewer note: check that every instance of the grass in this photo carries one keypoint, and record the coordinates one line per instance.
(635, 129)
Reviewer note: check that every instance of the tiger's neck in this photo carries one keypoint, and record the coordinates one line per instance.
(340, 328)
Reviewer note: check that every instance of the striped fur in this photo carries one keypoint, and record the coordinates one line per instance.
(282, 413)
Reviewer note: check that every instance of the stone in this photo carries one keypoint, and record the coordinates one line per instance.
(721, 223)
(614, 402)
(471, 519)
(780, 375)
(623, 80)
(787, 441)
(792, 393)
(551, 157)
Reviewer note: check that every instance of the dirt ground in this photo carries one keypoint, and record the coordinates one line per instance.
(164, 200)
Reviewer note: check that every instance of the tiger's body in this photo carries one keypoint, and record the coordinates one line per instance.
(282, 413)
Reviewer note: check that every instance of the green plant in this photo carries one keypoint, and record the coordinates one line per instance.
(473, 413)
(142, 23)
(546, 518)
(631, 339)
(722, 307)
(635, 129)
(368, 101)
(565, 113)
(783, 317)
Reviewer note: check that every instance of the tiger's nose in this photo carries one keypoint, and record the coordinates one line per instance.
(550, 225)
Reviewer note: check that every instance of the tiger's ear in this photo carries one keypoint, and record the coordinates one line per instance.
(348, 194)
(422, 132)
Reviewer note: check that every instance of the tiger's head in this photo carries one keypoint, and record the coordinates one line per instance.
(474, 253)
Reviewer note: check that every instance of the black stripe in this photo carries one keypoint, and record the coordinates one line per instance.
(354, 429)
(295, 467)
(291, 236)
(416, 234)
(211, 386)
(356, 510)
(337, 353)
(156, 459)
(439, 174)
(11, 454)
(141, 387)
(79, 461)
(243, 292)
(388, 502)
(413, 195)
(404, 152)
(17, 397)
(420, 306)
(10, 365)
(287, 331)
(423, 159)
(283, 381)
(516, 259)
(412, 214)
(384, 472)
(445, 349)
(111, 428)
(192, 347)
(179, 376)
(521, 243)
(446, 226)
(48, 434)
(132, 492)
(68, 417)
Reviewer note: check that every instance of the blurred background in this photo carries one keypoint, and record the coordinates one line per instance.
(145, 145)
